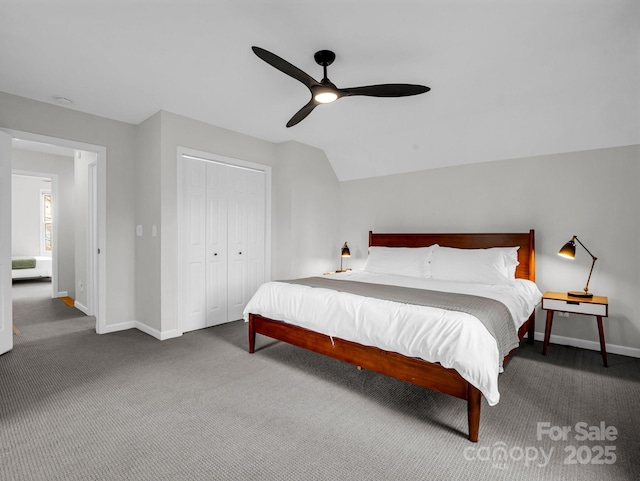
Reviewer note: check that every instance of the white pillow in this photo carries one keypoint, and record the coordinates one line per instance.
(510, 259)
(486, 266)
(401, 261)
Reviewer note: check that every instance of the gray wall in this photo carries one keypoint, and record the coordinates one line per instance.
(63, 167)
(304, 199)
(306, 202)
(26, 115)
(591, 194)
(25, 214)
(81, 184)
(147, 213)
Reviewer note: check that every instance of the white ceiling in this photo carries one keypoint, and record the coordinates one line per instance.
(509, 78)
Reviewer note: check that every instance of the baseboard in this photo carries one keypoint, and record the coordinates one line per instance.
(81, 307)
(62, 294)
(123, 326)
(161, 335)
(591, 345)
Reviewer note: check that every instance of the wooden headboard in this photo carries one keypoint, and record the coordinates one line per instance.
(526, 240)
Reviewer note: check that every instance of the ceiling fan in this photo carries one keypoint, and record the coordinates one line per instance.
(325, 91)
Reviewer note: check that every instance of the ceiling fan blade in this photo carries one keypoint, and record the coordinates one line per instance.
(386, 90)
(285, 67)
(302, 113)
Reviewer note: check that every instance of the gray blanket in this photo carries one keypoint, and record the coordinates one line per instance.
(493, 314)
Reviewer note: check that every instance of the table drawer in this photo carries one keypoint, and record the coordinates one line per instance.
(575, 306)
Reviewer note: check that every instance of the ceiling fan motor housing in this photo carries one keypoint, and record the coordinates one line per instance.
(324, 57)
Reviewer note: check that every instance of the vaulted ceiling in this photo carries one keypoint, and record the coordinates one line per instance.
(509, 78)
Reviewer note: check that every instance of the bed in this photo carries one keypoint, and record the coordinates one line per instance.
(30, 267)
(446, 359)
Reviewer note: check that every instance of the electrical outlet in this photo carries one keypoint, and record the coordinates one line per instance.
(563, 314)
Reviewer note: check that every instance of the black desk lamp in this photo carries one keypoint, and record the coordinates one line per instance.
(569, 251)
(344, 253)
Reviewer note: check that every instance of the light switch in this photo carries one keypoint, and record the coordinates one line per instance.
(139, 230)
(154, 230)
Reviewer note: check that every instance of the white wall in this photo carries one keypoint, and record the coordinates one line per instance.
(21, 114)
(302, 178)
(306, 195)
(81, 232)
(62, 167)
(142, 189)
(25, 214)
(591, 194)
(147, 209)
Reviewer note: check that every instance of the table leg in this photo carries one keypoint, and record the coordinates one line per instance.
(547, 332)
(603, 348)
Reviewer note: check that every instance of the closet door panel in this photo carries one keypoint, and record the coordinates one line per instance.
(216, 244)
(256, 215)
(194, 244)
(237, 238)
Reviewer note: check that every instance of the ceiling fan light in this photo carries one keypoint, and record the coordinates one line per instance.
(325, 97)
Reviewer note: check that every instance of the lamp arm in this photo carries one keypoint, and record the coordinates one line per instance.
(583, 246)
(586, 288)
(593, 262)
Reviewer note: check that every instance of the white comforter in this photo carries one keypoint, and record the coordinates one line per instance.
(454, 339)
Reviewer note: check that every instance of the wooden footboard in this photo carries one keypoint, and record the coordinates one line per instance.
(413, 370)
(410, 369)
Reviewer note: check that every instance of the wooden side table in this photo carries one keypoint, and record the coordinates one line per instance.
(562, 302)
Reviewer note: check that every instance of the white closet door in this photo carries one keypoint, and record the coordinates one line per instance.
(256, 228)
(237, 235)
(216, 244)
(194, 244)
(222, 241)
(246, 224)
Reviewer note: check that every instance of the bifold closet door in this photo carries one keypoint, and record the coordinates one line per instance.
(216, 245)
(246, 237)
(204, 244)
(223, 241)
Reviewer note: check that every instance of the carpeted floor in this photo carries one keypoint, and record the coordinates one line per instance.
(124, 406)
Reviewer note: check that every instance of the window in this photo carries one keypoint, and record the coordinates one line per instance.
(46, 230)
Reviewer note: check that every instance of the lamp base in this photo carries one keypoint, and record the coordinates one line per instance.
(581, 294)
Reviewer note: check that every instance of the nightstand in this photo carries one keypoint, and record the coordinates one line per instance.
(597, 306)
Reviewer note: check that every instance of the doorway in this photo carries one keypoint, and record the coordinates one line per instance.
(34, 226)
(89, 276)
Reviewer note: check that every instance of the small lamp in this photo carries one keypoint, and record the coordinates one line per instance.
(569, 251)
(344, 252)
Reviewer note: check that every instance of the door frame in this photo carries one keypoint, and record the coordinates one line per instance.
(99, 195)
(219, 159)
(6, 305)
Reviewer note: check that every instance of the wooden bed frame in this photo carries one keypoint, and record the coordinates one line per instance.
(414, 370)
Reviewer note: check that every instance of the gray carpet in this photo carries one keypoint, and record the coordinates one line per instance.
(78, 406)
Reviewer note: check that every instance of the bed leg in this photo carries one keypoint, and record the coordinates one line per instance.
(474, 398)
(532, 327)
(252, 335)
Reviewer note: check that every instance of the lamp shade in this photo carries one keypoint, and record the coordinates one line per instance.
(568, 250)
(345, 251)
